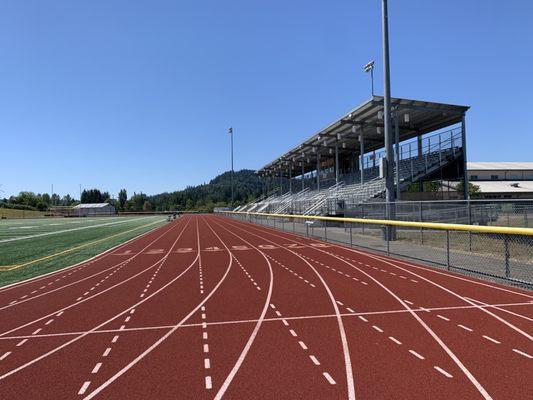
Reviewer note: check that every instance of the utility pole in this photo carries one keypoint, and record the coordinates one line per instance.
(230, 131)
(389, 154)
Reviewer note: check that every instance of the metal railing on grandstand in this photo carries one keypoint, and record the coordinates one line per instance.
(504, 253)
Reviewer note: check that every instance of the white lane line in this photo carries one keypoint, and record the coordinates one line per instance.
(206, 348)
(491, 339)
(443, 317)
(114, 340)
(409, 302)
(203, 315)
(284, 322)
(132, 310)
(302, 345)
(204, 335)
(207, 363)
(208, 382)
(273, 306)
(414, 353)
(377, 328)
(362, 318)
(339, 303)
(314, 359)
(395, 340)
(466, 328)
(349, 309)
(49, 321)
(106, 352)
(37, 331)
(522, 353)
(22, 342)
(443, 372)
(329, 378)
(122, 327)
(293, 333)
(278, 313)
(84, 387)
(5, 355)
(59, 314)
(127, 319)
(96, 368)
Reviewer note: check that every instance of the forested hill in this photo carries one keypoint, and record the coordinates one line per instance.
(217, 192)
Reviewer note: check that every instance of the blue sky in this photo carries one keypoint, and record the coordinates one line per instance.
(114, 94)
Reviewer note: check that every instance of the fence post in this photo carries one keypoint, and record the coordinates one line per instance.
(326, 231)
(351, 239)
(448, 249)
(506, 247)
(306, 229)
(421, 212)
(388, 241)
(293, 225)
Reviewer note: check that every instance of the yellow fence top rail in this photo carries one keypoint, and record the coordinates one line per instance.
(407, 224)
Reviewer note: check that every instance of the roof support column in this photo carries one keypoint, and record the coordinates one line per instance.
(465, 170)
(290, 177)
(397, 142)
(318, 171)
(362, 157)
(336, 162)
(303, 173)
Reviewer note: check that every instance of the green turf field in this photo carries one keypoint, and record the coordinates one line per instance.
(23, 243)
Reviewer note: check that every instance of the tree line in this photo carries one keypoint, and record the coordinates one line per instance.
(204, 197)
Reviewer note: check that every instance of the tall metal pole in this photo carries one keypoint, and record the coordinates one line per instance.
(397, 159)
(372, 79)
(389, 155)
(230, 131)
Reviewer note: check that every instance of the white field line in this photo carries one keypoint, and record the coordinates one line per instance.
(497, 307)
(342, 332)
(250, 341)
(96, 294)
(250, 321)
(35, 360)
(441, 343)
(63, 270)
(87, 277)
(67, 230)
(166, 335)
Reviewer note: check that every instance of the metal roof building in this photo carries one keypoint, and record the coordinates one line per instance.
(94, 209)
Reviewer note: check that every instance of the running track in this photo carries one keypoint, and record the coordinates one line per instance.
(210, 307)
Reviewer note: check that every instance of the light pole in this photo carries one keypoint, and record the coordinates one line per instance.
(230, 131)
(389, 155)
(370, 68)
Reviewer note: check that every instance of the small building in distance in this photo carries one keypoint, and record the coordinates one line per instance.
(93, 209)
(502, 180)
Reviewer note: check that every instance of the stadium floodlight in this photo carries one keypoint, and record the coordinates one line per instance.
(369, 67)
(230, 131)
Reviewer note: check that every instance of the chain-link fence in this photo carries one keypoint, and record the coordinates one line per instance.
(512, 213)
(497, 252)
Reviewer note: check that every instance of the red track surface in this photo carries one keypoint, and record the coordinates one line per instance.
(208, 307)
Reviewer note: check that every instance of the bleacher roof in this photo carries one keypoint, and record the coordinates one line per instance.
(423, 117)
(501, 166)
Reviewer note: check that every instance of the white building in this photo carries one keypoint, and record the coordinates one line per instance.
(94, 209)
(502, 180)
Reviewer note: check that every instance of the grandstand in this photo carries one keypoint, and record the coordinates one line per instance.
(340, 166)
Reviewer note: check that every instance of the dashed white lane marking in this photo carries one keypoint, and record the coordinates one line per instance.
(22, 342)
(414, 353)
(206, 348)
(106, 352)
(466, 328)
(363, 318)
(302, 345)
(522, 353)
(443, 317)
(491, 339)
(395, 340)
(207, 363)
(443, 372)
(409, 302)
(59, 314)
(278, 313)
(291, 271)
(96, 368)
(377, 328)
(284, 322)
(339, 303)
(84, 387)
(5, 355)
(293, 333)
(204, 335)
(314, 359)
(114, 340)
(329, 378)
(37, 331)
(273, 306)
(208, 383)
(349, 309)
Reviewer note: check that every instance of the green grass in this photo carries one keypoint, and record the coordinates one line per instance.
(30, 249)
